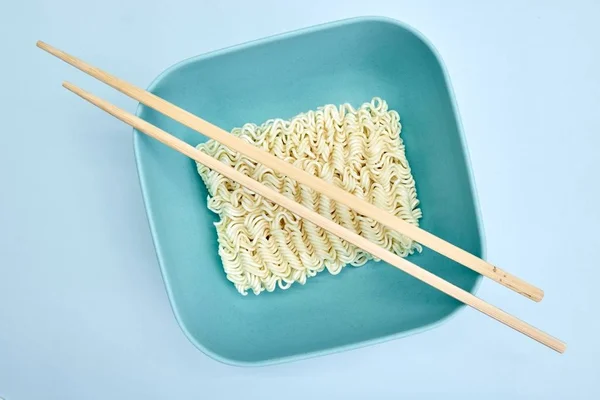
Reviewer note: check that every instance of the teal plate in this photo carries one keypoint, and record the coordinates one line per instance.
(345, 61)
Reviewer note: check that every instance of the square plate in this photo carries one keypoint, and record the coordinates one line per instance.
(281, 76)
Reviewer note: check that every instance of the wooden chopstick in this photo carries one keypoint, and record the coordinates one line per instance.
(317, 219)
(333, 192)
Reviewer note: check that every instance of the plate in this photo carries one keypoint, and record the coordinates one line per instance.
(345, 61)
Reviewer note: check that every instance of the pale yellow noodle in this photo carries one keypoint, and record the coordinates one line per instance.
(264, 246)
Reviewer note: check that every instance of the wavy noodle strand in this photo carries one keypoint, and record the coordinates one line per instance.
(264, 246)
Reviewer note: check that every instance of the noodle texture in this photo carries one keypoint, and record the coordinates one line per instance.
(262, 245)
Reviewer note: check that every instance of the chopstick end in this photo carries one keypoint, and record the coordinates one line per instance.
(561, 347)
(71, 87)
(539, 295)
(48, 48)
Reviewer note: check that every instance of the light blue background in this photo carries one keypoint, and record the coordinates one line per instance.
(83, 310)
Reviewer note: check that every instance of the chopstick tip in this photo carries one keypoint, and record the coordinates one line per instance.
(69, 86)
(47, 48)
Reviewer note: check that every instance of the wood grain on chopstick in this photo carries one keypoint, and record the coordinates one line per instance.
(329, 225)
(333, 192)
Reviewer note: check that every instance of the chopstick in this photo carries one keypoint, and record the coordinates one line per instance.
(333, 192)
(329, 225)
